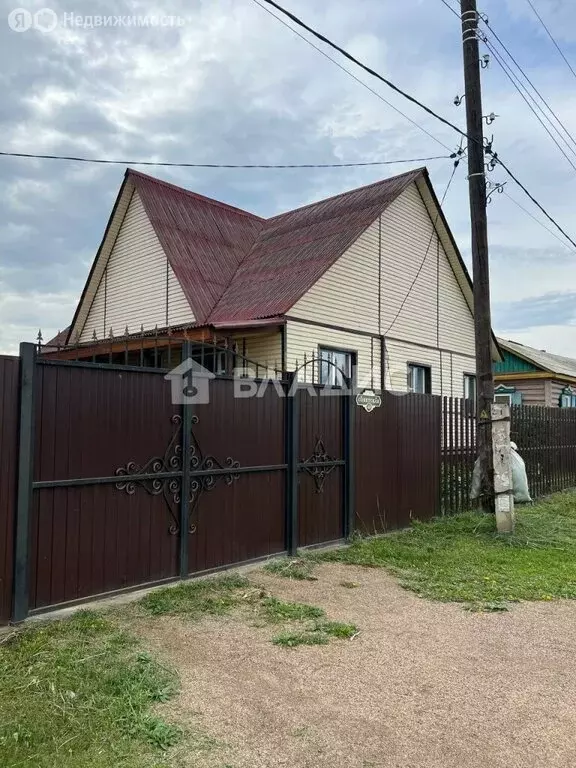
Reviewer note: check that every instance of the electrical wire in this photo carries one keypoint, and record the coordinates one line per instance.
(427, 109)
(528, 80)
(451, 9)
(517, 181)
(352, 75)
(220, 165)
(421, 267)
(516, 203)
(365, 67)
(516, 82)
(541, 223)
(518, 86)
(541, 20)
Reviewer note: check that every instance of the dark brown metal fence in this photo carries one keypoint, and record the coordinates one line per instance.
(9, 375)
(397, 462)
(106, 485)
(321, 508)
(546, 439)
(238, 513)
(458, 443)
(90, 535)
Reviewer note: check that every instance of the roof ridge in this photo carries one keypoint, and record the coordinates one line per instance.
(238, 267)
(415, 172)
(130, 172)
(269, 224)
(533, 353)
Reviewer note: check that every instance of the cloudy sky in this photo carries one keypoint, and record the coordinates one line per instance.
(233, 85)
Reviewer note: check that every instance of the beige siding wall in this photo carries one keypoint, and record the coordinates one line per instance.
(262, 347)
(447, 369)
(400, 354)
(456, 322)
(303, 341)
(408, 298)
(416, 307)
(347, 293)
(409, 244)
(460, 366)
(132, 290)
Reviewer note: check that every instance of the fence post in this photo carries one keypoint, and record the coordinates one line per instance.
(185, 489)
(348, 414)
(291, 432)
(25, 476)
(504, 494)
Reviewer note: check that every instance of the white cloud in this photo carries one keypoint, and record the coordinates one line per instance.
(557, 339)
(23, 314)
(234, 85)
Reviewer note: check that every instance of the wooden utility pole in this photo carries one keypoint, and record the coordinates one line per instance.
(480, 268)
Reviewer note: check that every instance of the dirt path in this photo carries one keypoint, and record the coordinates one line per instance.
(424, 685)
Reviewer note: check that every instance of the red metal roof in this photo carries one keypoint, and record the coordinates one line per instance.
(204, 240)
(234, 266)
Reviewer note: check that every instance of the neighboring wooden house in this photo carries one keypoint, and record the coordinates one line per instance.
(528, 376)
(371, 279)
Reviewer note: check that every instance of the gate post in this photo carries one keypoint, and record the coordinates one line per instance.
(25, 476)
(185, 486)
(348, 414)
(291, 433)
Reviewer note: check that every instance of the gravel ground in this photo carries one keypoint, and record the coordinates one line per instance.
(424, 685)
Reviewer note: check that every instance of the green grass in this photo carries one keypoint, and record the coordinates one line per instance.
(219, 596)
(337, 629)
(463, 559)
(301, 637)
(78, 693)
(277, 611)
(299, 568)
(194, 599)
(318, 634)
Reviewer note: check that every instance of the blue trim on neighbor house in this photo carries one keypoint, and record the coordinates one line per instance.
(514, 364)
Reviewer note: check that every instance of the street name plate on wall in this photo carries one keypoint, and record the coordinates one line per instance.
(368, 400)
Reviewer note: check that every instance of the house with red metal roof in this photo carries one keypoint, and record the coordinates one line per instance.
(370, 279)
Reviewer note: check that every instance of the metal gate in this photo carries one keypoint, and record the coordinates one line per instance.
(120, 488)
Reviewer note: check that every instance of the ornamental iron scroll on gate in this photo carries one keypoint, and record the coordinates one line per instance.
(169, 469)
(318, 465)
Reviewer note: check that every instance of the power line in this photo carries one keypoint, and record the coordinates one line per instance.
(533, 199)
(541, 20)
(541, 223)
(352, 75)
(529, 81)
(421, 267)
(366, 68)
(220, 165)
(518, 86)
(451, 9)
(413, 100)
